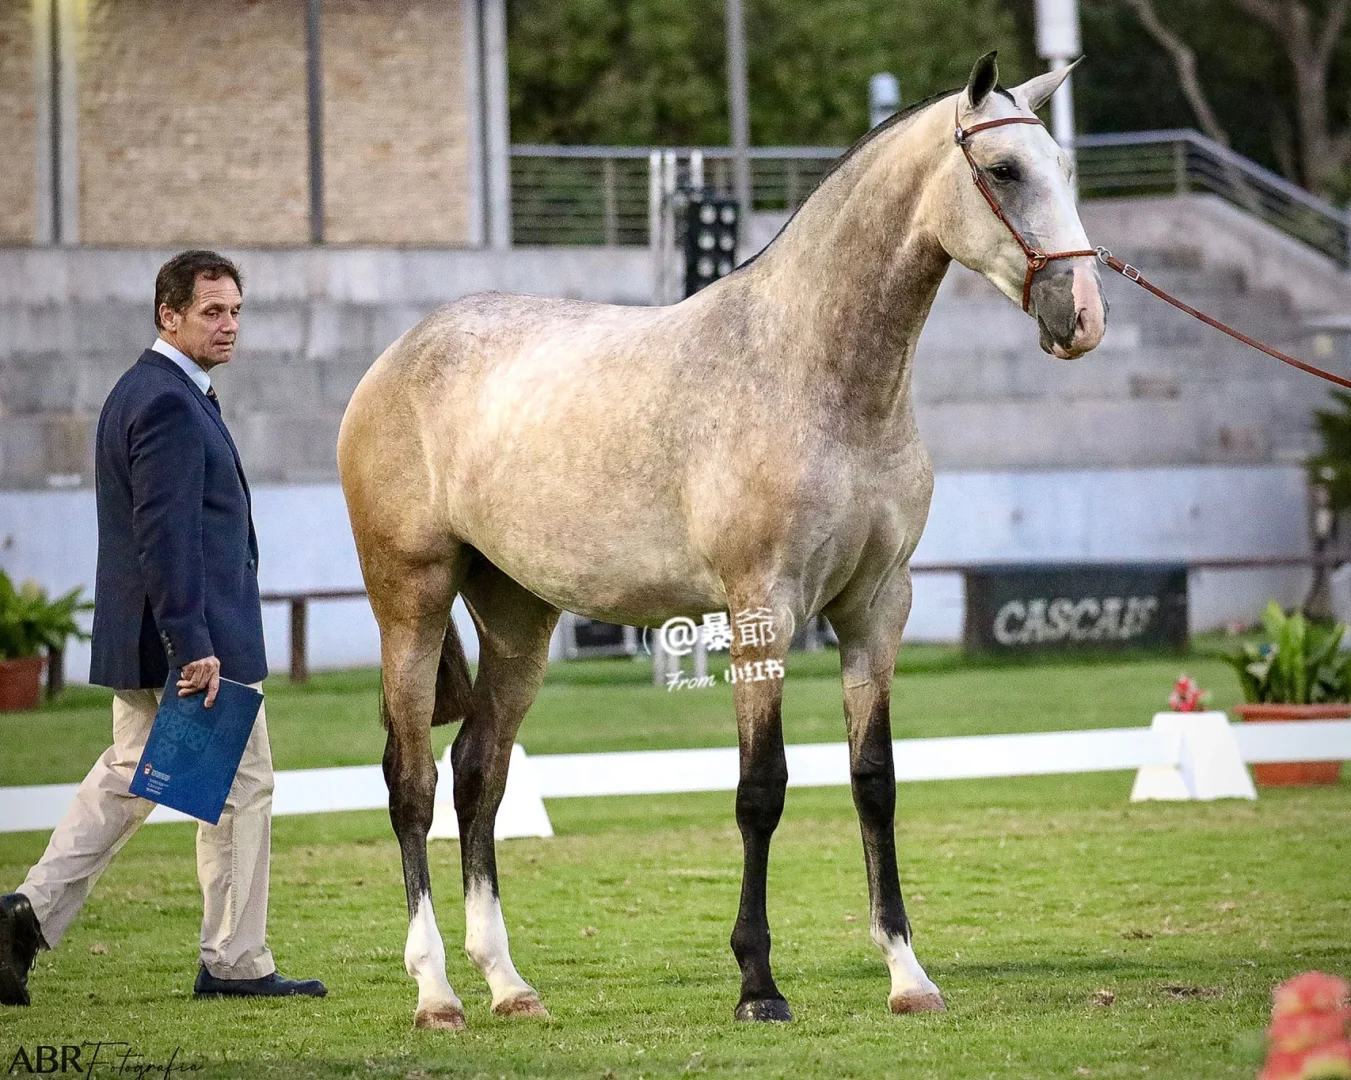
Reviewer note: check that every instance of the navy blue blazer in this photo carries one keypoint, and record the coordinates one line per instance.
(178, 558)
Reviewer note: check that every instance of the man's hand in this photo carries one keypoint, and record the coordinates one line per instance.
(201, 675)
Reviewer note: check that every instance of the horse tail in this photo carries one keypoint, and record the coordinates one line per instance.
(453, 684)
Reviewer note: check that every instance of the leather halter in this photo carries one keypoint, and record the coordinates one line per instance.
(1036, 258)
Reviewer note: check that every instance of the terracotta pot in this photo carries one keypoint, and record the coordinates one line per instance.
(21, 683)
(1295, 773)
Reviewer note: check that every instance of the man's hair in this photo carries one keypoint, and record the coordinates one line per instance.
(176, 282)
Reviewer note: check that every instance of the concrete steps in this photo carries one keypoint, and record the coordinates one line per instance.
(1162, 389)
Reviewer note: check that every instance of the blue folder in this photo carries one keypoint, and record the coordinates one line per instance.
(193, 752)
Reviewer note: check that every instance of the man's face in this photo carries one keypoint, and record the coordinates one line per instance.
(205, 331)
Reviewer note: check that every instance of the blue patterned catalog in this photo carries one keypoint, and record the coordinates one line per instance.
(193, 752)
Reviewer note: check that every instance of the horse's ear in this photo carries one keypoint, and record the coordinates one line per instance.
(1037, 91)
(984, 76)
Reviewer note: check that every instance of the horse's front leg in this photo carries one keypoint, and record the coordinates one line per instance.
(869, 629)
(757, 655)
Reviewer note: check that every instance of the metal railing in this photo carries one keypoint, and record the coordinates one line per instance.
(602, 194)
(1180, 161)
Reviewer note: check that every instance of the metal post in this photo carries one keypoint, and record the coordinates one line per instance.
(45, 116)
(314, 91)
(654, 219)
(56, 672)
(610, 202)
(476, 234)
(1058, 42)
(670, 277)
(300, 671)
(56, 27)
(497, 136)
(739, 109)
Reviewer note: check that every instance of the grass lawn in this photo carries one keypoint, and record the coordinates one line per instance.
(1029, 897)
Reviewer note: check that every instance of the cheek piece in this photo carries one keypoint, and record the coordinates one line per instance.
(1036, 258)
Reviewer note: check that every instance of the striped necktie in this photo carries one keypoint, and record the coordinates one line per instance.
(211, 396)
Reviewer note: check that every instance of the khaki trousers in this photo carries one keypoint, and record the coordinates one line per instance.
(232, 855)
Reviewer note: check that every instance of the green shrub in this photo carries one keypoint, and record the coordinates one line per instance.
(29, 622)
(1299, 665)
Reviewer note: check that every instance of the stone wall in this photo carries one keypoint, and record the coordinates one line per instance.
(396, 148)
(1162, 390)
(193, 123)
(18, 114)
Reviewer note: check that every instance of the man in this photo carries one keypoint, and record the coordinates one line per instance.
(177, 587)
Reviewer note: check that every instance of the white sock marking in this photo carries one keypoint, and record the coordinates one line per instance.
(907, 977)
(424, 958)
(485, 943)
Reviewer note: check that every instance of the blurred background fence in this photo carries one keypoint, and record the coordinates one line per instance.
(603, 194)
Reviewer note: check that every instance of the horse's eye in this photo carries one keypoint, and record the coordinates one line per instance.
(1004, 172)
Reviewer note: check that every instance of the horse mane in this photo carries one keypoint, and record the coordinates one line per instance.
(886, 125)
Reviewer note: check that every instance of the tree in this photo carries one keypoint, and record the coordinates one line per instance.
(652, 72)
(1316, 148)
(1310, 42)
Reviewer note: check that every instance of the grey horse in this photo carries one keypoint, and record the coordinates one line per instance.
(752, 449)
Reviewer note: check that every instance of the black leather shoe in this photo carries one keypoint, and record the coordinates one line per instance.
(268, 986)
(20, 938)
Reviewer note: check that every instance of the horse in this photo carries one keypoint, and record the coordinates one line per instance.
(751, 449)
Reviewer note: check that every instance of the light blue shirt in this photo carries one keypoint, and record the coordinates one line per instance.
(195, 373)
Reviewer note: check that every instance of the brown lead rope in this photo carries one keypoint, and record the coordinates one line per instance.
(1129, 272)
(1037, 259)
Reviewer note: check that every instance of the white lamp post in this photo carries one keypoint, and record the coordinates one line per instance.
(1058, 44)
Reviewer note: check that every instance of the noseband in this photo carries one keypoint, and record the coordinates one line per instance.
(1036, 258)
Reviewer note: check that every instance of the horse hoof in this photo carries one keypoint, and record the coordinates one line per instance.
(924, 1001)
(525, 1006)
(766, 1009)
(440, 1018)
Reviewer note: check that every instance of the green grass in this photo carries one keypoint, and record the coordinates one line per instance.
(1028, 897)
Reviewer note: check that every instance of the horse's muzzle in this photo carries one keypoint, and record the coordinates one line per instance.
(1070, 309)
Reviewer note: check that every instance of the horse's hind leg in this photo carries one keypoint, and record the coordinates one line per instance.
(412, 606)
(514, 627)
(870, 635)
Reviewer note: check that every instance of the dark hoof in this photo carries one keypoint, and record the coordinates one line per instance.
(440, 1018)
(766, 1009)
(527, 1006)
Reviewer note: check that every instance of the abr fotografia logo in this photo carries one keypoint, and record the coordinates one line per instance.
(96, 1059)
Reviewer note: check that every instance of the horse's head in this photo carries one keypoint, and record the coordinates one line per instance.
(1028, 177)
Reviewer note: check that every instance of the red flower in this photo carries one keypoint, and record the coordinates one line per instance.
(1281, 1066)
(1330, 1062)
(1314, 991)
(1294, 1033)
(1187, 696)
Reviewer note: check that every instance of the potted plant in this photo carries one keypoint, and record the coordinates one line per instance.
(29, 625)
(1296, 675)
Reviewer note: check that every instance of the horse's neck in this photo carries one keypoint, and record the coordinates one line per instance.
(857, 270)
